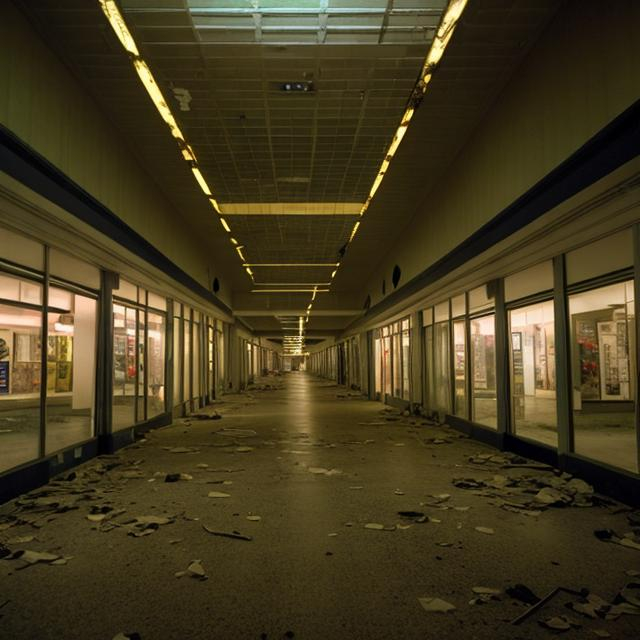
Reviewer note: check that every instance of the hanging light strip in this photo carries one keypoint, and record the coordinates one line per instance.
(445, 30)
(119, 26)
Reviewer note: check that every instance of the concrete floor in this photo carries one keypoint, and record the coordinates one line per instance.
(283, 583)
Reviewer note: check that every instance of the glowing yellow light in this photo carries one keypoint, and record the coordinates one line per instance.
(333, 274)
(119, 26)
(201, 181)
(291, 264)
(249, 271)
(214, 204)
(149, 83)
(187, 153)
(233, 241)
(288, 290)
(309, 307)
(239, 250)
(445, 31)
(402, 129)
(355, 228)
(376, 184)
(223, 222)
(315, 291)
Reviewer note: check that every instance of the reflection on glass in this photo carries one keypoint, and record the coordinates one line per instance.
(603, 374)
(406, 361)
(460, 368)
(140, 415)
(441, 368)
(397, 366)
(186, 367)
(155, 364)
(195, 363)
(71, 366)
(387, 364)
(533, 372)
(483, 371)
(20, 366)
(378, 365)
(211, 385)
(124, 366)
(177, 363)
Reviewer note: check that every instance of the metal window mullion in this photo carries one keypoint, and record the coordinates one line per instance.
(44, 341)
(636, 307)
(564, 386)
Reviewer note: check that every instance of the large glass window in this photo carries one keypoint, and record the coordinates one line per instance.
(20, 367)
(460, 367)
(406, 362)
(430, 381)
(483, 371)
(195, 362)
(155, 364)
(378, 365)
(71, 367)
(397, 366)
(533, 372)
(186, 355)
(124, 366)
(177, 358)
(602, 324)
(442, 368)
(386, 362)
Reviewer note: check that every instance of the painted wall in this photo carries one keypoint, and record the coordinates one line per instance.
(580, 75)
(42, 103)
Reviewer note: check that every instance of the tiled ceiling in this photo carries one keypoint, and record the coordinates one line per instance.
(257, 143)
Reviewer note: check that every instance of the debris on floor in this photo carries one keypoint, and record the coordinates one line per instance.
(436, 605)
(236, 535)
(631, 540)
(218, 494)
(174, 477)
(194, 570)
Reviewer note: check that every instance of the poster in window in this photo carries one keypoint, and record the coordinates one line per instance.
(614, 364)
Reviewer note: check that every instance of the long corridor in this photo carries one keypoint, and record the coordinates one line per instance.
(307, 481)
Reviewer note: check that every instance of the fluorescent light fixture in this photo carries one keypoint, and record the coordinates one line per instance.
(333, 275)
(309, 307)
(292, 284)
(187, 153)
(239, 250)
(290, 264)
(149, 83)
(215, 205)
(201, 181)
(223, 222)
(111, 11)
(315, 292)
(249, 272)
(355, 228)
(233, 241)
(397, 139)
(288, 290)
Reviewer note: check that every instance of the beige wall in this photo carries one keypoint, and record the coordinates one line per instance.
(581, 74)
(41, 103)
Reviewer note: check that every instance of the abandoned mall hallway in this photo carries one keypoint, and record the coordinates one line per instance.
(299, 472)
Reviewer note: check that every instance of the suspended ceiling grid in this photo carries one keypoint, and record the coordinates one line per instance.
(258, 145)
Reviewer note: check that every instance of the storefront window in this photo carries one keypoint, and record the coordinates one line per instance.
(406, 362)
(378, 365)
(397, 366)
(177, 359)
(20, 366)
(602, 324)
(386, 360)
(483, 371)
(429, 383)
(442, 368)
(155, 364)
(195, 363)
(533, 372)
(71, 367)
(124, 366)
(220, 358)
(460, 368)
(186, 367)
(141, 367)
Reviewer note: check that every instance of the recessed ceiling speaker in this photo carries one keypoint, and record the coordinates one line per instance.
(395, 276)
